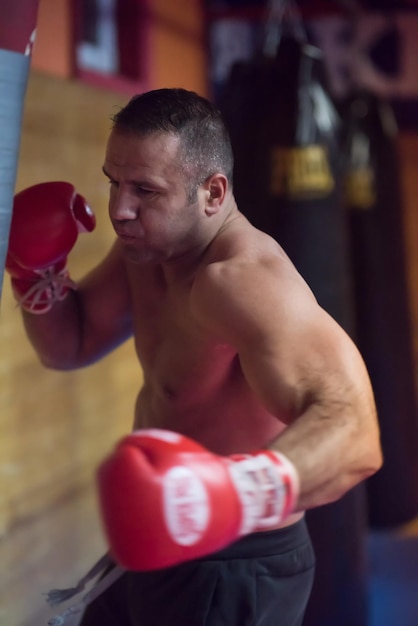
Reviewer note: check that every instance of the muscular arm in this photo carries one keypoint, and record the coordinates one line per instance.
(302, 366)
(90, 322)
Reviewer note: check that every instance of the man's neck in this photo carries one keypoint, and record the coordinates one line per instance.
(184, 266)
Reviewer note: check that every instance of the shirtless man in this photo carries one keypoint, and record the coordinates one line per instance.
(237, 357)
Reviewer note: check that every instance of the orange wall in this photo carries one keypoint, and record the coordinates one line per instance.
(178, 53)
(176, 43)
(52, 49)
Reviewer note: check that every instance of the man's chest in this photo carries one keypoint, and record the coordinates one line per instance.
(171, 344)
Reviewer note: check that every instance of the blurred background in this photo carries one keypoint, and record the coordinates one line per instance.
(321, 99)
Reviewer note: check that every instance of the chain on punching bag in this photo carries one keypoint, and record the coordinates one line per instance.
(284, 131)
(383, 324)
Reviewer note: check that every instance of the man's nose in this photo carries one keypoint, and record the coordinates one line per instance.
(122, 206)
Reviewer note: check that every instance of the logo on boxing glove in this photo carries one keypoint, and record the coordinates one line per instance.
(186, 506)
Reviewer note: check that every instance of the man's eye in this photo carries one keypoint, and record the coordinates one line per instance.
(142, 191)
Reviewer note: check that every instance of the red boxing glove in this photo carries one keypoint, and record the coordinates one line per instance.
(165, 499)
(46, 221)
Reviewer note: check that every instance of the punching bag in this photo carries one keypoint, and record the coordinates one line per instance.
(17, 33)
(383, 322)
(285, 136)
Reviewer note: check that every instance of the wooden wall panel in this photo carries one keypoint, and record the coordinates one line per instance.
(64, 134)
(56, 426)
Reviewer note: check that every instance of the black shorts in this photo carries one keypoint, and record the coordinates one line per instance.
(263, 579)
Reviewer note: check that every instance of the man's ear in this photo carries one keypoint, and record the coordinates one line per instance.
(216, 187)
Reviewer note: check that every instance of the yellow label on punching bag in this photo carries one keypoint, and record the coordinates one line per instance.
(300, 172)
(359, 188)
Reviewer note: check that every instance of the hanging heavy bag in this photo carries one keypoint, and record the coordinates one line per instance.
(284, 132)
(383, 322)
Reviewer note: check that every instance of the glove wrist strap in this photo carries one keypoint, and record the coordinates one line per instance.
(267, 485)
(39, 295)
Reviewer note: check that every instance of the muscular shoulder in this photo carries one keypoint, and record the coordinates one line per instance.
(246, 280)
(240, 248)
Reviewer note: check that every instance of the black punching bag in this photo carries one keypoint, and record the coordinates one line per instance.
(383, 323)
(284, 132)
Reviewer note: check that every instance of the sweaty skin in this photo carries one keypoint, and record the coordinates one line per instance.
(235, 351)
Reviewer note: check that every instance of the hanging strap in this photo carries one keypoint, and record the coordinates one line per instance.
(72, 615)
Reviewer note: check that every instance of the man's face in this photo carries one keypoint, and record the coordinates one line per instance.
(148, 203)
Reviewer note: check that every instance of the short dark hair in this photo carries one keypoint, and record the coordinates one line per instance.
(204, 139)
